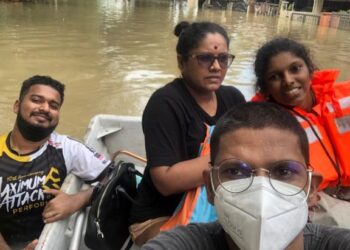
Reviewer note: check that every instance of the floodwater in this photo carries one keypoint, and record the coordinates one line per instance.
(113, 54)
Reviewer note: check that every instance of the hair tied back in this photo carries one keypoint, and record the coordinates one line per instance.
(180, 27)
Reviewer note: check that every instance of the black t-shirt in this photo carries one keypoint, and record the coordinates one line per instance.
(211, 236)
(174, 126)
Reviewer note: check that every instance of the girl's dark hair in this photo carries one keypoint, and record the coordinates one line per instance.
(190, 35)
(274, 47)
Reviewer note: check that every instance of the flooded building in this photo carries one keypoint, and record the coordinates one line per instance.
(330, 13)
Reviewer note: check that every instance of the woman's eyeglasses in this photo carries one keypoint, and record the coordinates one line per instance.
(290, 172)
(206, 60)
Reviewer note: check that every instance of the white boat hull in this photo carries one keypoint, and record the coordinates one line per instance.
(106, 134)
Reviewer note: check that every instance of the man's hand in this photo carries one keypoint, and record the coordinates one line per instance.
(63, 205)
(31, 245)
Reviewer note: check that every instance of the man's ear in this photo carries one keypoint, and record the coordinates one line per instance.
(313, 195)
(16, 107)
(208, 186)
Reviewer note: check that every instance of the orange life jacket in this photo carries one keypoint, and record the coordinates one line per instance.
(334, 99)
(322, 157)
(327, 152)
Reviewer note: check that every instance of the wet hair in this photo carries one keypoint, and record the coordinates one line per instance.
(42, 80)
(190, 35)
(257, 115)
(273, 48)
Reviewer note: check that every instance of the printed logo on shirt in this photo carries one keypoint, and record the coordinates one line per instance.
(22, 193)
(52, 179)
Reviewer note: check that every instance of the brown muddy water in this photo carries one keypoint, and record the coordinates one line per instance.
(112, 54)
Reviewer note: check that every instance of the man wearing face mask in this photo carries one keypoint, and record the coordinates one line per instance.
(260, 182)
(34, 161)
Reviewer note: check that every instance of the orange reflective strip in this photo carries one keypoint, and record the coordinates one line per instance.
(183, 215)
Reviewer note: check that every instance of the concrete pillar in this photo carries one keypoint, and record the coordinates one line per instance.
(251, 6)
(318, 5)
(283, 10)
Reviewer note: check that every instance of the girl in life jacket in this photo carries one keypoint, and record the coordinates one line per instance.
(287, 76)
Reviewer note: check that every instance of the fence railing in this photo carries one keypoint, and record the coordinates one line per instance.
(267, 9)
(305, 17)
(344, 21)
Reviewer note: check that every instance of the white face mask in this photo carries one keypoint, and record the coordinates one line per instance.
(260, 217)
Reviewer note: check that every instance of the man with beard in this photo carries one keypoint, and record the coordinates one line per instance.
(34, 161)
(261, 184)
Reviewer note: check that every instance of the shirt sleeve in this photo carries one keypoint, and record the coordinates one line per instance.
(83, 161)
(162, 124)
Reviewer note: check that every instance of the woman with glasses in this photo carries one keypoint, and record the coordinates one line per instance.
(176, 122)
(287, 76)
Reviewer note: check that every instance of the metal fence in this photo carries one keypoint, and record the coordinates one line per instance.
(267, 9)
(305, 17)
(344, 21)
(328, 19)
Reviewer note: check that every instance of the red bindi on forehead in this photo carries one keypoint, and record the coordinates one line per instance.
(215, 47)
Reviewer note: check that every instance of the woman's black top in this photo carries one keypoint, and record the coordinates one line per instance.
(174, 126)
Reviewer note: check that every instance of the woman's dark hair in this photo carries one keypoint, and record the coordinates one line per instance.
(273, 48)
(257, 116)
(190, 35)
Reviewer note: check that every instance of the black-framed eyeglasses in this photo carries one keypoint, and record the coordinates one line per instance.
(291, 172)
(206, 60)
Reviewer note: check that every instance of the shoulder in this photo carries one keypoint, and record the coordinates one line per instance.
(230, 92)
(179, 237)
(170, 90)
(171, 99)
(228, 97)
(326, 237)
(3, 137)
(194, 236)
(57, 140)
(206, 229)
(342, 92)
(71, 147)
(2, 142)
